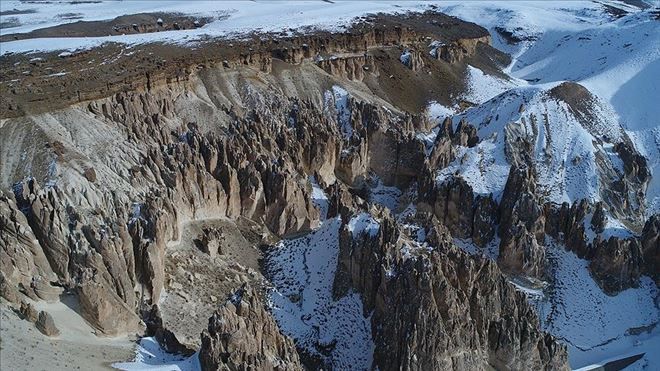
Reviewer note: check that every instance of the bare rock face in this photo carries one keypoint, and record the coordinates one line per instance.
(650, 241)
(412, 59)
(105, 310)
(242, 335)
(28, 312)
(461, 48)
(454, 203)
(23, 265)
(484, 220)
(47, 218)
(616, 263)
(46, 325)
(465, 135)
(455, 311)
(351, 67)
(454, 207)
(522, 225)
(165, 337)
(210, 241)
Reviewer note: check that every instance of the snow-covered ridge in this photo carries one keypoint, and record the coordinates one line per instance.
(232, 18)
(617, 61)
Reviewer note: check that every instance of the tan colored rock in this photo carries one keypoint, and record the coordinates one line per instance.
(28, 312)
(46, 325)
(105, 311)
(242, 335)
(23, 263)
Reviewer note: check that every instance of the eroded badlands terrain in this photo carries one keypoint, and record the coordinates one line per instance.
(412, 191)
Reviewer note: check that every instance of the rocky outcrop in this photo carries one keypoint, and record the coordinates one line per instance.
(465, 214)
(458, 50)
(23, 264)
(27, 312)
(452, 200)
(412, 59)
(522, 225)
(46, 325)
(166, 338)
(242, 335)
(353, 67)
(615, 262)
(237, 136)
(650, 241)
(455, 311)
(210, 241)
(257, 52)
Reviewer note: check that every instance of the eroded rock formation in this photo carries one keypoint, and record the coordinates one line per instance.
(454, 311)
(242, 335)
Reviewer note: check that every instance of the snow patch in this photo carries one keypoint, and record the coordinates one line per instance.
(149, 356)
(302, 271)
(363, 223)
(339, 99)
(594, 325)
(319, 198)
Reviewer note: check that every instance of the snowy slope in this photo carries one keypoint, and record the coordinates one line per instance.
(302, 271)
(616, 60)
(594, 325)
(564, 150)
(149, 356)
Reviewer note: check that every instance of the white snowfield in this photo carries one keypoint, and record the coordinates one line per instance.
(231, 18)
(597, 327)
(149, 356)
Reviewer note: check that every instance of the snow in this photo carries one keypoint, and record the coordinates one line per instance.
(387, 196)
(340, 97)
(405, 58)
(483, 167)
(230, 18)
(363, 223)
(565, 149)
(482, 87)
(149, 356)
(413, 249)
(433, 48)
(593, 324)
(438, 112)
(319, 198)
(617, 60)
(302, 271)
(647, 142)
(491, 250)
(527, 20)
